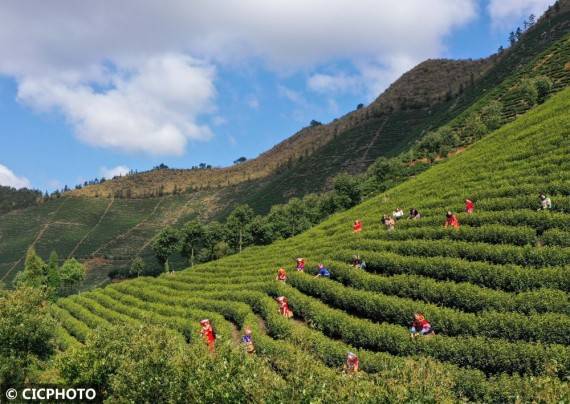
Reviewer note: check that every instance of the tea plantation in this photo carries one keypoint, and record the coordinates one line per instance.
(496, 290)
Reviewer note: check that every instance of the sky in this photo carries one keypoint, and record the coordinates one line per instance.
(92, 89)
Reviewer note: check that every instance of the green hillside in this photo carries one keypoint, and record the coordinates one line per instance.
(104, 233)
(496, 290)
(108, 233)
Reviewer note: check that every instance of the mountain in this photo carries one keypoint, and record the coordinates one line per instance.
(108, 224)
(495, 290)
(421, 88)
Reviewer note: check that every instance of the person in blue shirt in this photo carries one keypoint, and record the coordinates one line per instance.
(247, 341)
(324, 272)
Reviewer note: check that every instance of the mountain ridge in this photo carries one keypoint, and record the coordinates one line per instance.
(425, 85)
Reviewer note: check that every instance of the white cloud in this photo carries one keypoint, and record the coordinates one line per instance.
(152, 108)
(379, 74)
(506, 13)
(337, 83)
(117, 171)
(8, 178)
(62, 34)
(373, 77)
(137, 75)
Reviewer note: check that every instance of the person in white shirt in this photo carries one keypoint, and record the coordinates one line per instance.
(545, 202)
(398, 214)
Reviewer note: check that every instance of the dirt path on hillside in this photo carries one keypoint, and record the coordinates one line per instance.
(169, 221)
(236, 334)
(93, 228)
(261, 324)
(129, 231)
(362, 160)
(39, 235)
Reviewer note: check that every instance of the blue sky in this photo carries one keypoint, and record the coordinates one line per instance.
(87, 93)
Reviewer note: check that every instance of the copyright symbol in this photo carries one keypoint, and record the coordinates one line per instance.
(11, 394)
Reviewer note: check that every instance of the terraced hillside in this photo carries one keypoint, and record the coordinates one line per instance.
(103, 233)
(107, 233)
(496, 290)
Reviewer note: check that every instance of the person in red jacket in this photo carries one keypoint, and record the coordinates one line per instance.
(284, 309)
(420, 326)
(469, 206)
(300, 264)
(208, 334)
(281, 274)
(451, 220)
(357, 227)
(352, 363)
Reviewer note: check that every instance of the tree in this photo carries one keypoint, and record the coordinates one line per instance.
(315, 123)
(240, 160)
(359, 106)
(381, 169)
(474, 128)
(261, 231)
(137, 267)
(297, 216)
(221, 249)
(312, 208)
(492, 115)
(543, 86)
(347, 189)
(512, 38)
(26, 334)
(53, 280)
(71, 274)
(34, 273)
(500, 50)
(531, 20)
(165, 244)
(237, 223)
(528, 92)
(213, 233)
(518, 33)
(192, 239)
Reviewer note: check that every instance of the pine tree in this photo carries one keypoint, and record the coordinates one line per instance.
(531, 20)
(512, 38)
(137, 267)
(33, 274)
(53, 280)
(71, 274)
